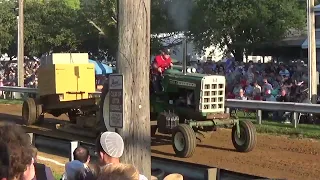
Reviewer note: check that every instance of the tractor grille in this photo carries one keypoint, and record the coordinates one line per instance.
(212, 95)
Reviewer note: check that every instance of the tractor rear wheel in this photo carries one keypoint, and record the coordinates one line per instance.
(29, 111)
(184, 141)
(103, 123)
(248, 136)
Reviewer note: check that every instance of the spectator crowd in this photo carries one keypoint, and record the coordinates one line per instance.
(18, 159)
(9, 73)
(282, 82)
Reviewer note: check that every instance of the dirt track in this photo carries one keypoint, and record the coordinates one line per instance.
(274, 157)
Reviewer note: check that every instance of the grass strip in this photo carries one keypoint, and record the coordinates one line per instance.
(278, 128)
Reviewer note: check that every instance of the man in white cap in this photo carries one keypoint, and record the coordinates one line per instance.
(109, 148)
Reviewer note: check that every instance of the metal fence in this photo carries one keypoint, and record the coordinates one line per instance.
(295, 108)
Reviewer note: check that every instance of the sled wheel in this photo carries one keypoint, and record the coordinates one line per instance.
(183, 141)
(39, 115)
(248, 137)
(29, 111)
(72, 116)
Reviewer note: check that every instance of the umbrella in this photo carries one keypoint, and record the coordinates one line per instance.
(101, 69)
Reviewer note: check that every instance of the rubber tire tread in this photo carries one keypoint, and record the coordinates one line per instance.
(250, 132)
(190, 140)
(32, 113)
(253, 135)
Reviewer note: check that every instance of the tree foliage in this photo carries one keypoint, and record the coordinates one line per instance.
(50, 27)
(8, 25)
(91, 25)
(241, 25)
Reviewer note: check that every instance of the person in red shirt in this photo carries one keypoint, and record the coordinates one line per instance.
(159, 65)
(162, 61)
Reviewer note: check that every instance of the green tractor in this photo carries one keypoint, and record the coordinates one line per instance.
(191, 107)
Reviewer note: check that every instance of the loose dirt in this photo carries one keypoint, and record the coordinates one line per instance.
(274, 156)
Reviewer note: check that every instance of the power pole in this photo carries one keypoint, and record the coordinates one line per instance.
(133, 61)
(21, 44)
(312, 57)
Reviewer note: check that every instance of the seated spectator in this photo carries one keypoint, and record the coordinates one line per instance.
(20, 152)
(119, 172)
(266, 86)
(256, 93)
(241, 95)
(268, 97)
(236, 89)
(109, 148)
(249, 90)
(243, 82)
(283, 96)
(42, 171)
(280, 114)
(284, 72)
(81, 160)
(230, 95)
(4, 161)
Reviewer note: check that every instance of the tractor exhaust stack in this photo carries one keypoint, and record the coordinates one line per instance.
(184, 56)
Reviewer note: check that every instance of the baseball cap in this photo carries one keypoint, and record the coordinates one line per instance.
(72, 168)
(166, 51)
(112, 144)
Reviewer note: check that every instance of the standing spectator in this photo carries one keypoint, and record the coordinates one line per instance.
(42, 172)
(119, 172)
(4, 161)
(81, 161)
(110, 146)
(21, 164)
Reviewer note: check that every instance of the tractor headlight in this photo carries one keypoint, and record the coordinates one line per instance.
(194, 70)
(189, 70)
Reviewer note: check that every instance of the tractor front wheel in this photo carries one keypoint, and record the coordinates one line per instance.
(247, 139)
(184, 141)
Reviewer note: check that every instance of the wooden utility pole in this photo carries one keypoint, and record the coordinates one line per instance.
(133, 61)
(312, 57)
(21, 44)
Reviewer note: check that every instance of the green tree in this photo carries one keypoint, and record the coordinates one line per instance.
(50, 27)
(242, 25)
(8, 25)
(98, 28)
